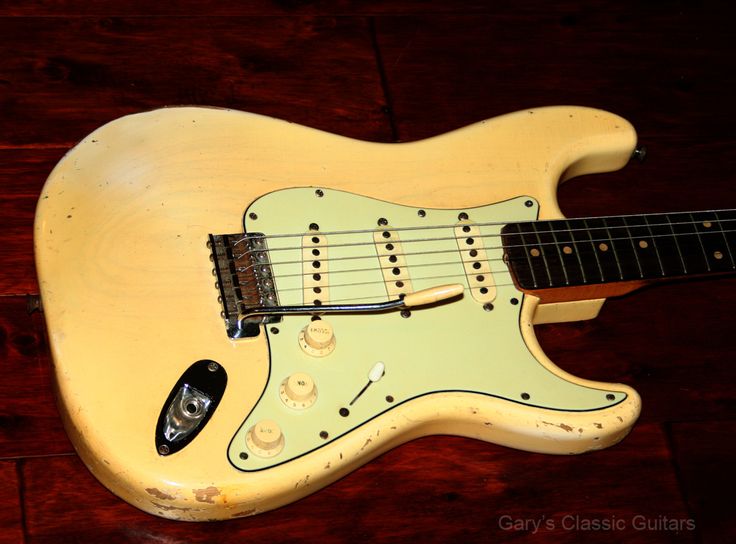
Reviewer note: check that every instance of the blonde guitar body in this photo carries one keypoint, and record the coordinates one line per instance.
(126, 276)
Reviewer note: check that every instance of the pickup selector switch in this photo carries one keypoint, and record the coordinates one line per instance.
(298, 391)
(265, 438)
(317, 339)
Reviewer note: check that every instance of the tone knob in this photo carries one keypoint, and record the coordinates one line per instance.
(317, 339)
(265, 438)
(298, 391)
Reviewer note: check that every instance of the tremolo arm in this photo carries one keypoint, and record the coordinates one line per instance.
(419, 298)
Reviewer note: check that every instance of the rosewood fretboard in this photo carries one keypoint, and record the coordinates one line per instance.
(632, 248)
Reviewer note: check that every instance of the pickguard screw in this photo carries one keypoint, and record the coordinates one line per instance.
(243, 455)
(421, 213)
(514, 301)
(212, 366)
(253, 216)
(528, 203)
(323, 435)
(313, 226)
(405, 313)
(389, 398)
(382, 221)
(525, 396)
(344, 412)
(274, 330)
(320, 193)
(610, 397)
(163, 449)
(462, 216)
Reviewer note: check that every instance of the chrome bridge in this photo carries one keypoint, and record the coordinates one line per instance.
(244, 279)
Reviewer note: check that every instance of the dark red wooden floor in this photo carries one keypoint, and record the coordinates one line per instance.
(403, 70)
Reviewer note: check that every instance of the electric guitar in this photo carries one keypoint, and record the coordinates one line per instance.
(242, 310)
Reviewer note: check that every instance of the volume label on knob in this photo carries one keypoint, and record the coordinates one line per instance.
(317, 339)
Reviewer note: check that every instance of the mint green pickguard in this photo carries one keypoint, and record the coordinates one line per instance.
(453, 346)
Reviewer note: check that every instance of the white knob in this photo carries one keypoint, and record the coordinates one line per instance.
(265, 438)
(298, 391)
(317, 339)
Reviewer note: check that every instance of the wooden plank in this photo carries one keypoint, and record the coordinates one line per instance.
(11, 517)
(703, 453)
(42, 8)
(657, 68)
(76, 74)
(22, 174)
(669, 342)
(29, 424)
(448, 489)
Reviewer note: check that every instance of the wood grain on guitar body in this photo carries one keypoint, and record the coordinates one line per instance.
(242, 310)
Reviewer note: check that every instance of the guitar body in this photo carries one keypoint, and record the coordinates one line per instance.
(126, 277)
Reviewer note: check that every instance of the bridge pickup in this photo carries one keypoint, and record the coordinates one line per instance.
(392, 261)
(475, 261)
(244, 279)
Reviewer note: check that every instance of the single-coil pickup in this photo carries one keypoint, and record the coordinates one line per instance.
(392, 262)
(475, 262)
(314, 269)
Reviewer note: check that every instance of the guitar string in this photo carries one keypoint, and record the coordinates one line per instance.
(490, 235)
(459, 278)
(502, 223)
(718, 233)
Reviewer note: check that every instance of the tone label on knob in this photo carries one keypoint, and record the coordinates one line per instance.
(317, 339)
(265, 438)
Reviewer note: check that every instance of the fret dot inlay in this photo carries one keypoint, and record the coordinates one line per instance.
(567, 250)
(643, 244)
(534, 252)
(603, 247)
(718, 255)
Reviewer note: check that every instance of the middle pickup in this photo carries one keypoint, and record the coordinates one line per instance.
(475, 261)
(392, 261)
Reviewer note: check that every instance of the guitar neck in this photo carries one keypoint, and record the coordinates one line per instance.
(573, 259)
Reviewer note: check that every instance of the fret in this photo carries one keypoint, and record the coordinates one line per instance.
(726, 227)
(517, 257)
(691, 249)
(667, 245)
(712, 240)
(623, 250)
(656, 250)
(525, 247)
(676, 243)
(591, 267)
(542, 252)
(559, 253)
(568, 238)
(633, 247)
(700, 241)
(645, 245)
(603, 249)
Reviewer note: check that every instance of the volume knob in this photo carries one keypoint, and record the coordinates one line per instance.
(298, 391)
(317, 339)
(265, 438)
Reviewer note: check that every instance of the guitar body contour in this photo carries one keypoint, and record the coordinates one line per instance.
(129, 296)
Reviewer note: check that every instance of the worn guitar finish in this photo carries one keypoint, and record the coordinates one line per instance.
(282, 409)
